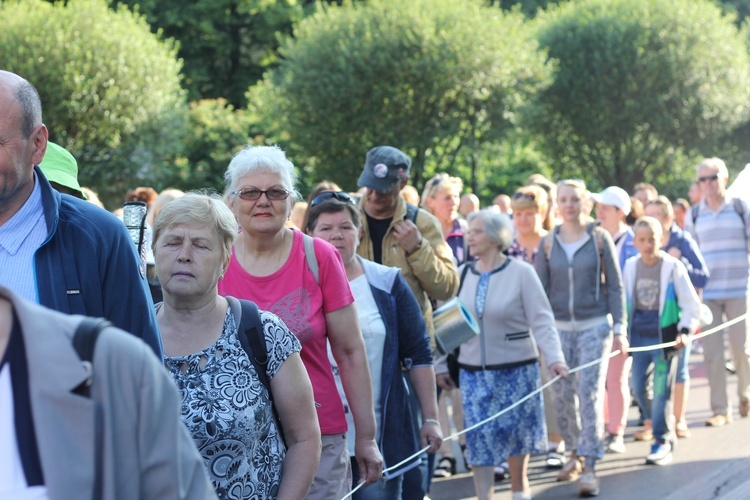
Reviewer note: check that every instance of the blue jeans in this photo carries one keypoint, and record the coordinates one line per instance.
(382, 490)
(660, 410)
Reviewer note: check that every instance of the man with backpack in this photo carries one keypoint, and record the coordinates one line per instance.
(401, 235)
(720, 226)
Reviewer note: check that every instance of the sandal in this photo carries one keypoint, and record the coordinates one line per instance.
(446, 467)
(501, 471)
(681, 430)
(571, 470)
(555, 460)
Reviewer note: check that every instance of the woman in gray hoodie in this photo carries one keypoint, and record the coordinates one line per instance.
(578, 268)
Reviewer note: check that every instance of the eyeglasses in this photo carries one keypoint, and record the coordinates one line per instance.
(336, 195)
(529, 196)
(708, 178)
(253, 194)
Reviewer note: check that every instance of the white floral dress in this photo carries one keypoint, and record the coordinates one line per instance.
(227, 410)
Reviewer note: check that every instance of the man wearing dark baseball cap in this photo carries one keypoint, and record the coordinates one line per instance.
(401, 235)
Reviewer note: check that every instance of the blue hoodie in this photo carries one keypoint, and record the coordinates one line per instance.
(88, 265)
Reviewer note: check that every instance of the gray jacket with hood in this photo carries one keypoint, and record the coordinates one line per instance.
(588, 287)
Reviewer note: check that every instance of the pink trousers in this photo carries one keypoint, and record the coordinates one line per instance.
(617, 396)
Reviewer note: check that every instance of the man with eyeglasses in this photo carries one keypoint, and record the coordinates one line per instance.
(720, 226)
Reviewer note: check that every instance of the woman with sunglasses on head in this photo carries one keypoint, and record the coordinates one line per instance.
(529, 205)
(441, 197)
(396, 340)
(580, 273)
(269, 265)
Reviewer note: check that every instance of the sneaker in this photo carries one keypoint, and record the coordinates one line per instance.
(588, 486)
(615, 443)
(744, 408)
(729, 366)
(661, 454)
(718, 420)
(571, 470)
(522, 495)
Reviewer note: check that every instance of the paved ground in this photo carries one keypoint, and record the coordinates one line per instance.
(713, 463)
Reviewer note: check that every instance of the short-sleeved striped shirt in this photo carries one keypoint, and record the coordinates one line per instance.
(724, 240)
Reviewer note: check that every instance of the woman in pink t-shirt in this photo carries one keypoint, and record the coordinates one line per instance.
(269, 266)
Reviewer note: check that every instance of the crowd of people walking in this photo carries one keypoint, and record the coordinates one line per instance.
(265, 348)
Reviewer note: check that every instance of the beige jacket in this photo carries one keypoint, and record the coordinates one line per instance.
(429, 271)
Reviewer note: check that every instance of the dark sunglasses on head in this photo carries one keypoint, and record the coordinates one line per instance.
(708, 178)
(327, 195)
(253, 194)
(529, 196)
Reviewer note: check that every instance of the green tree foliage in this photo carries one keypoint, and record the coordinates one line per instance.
(110, 89)
(216, 131)
(640, 86)
(528, 7)
(435, 78)
(225, 44)
(741, 8)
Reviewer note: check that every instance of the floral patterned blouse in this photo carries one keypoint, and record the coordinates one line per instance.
(518, 252)
(227, 410)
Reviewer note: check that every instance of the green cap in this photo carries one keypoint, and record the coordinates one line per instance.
(60, 166)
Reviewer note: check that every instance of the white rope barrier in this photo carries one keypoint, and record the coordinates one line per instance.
(552, 381)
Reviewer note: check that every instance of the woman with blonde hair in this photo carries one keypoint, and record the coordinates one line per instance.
(579, 271)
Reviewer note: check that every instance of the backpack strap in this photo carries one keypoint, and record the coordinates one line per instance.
(463, 276)
(310, 257)
(84, 343)
(411, 212)
(548, 240)
(736, 203)
(252, 338)
(694, 212)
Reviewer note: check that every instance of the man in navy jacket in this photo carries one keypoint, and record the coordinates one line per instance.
(60, 251)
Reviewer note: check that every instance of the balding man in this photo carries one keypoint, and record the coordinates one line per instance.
(57, 250)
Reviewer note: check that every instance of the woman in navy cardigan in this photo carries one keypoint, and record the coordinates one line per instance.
(396, 342)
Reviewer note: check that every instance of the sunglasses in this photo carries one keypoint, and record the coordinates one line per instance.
(253, 194)
(708, 178)
(529, 196)
(336, 195)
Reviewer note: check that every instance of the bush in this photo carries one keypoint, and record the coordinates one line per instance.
(641, 87)
(434, 78)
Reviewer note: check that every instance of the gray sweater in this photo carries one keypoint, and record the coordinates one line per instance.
(587, 288)
(517, 319)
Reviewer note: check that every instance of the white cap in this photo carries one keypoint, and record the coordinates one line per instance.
(615, 196)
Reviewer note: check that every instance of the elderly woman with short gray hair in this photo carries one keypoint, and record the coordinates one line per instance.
(499, 366)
